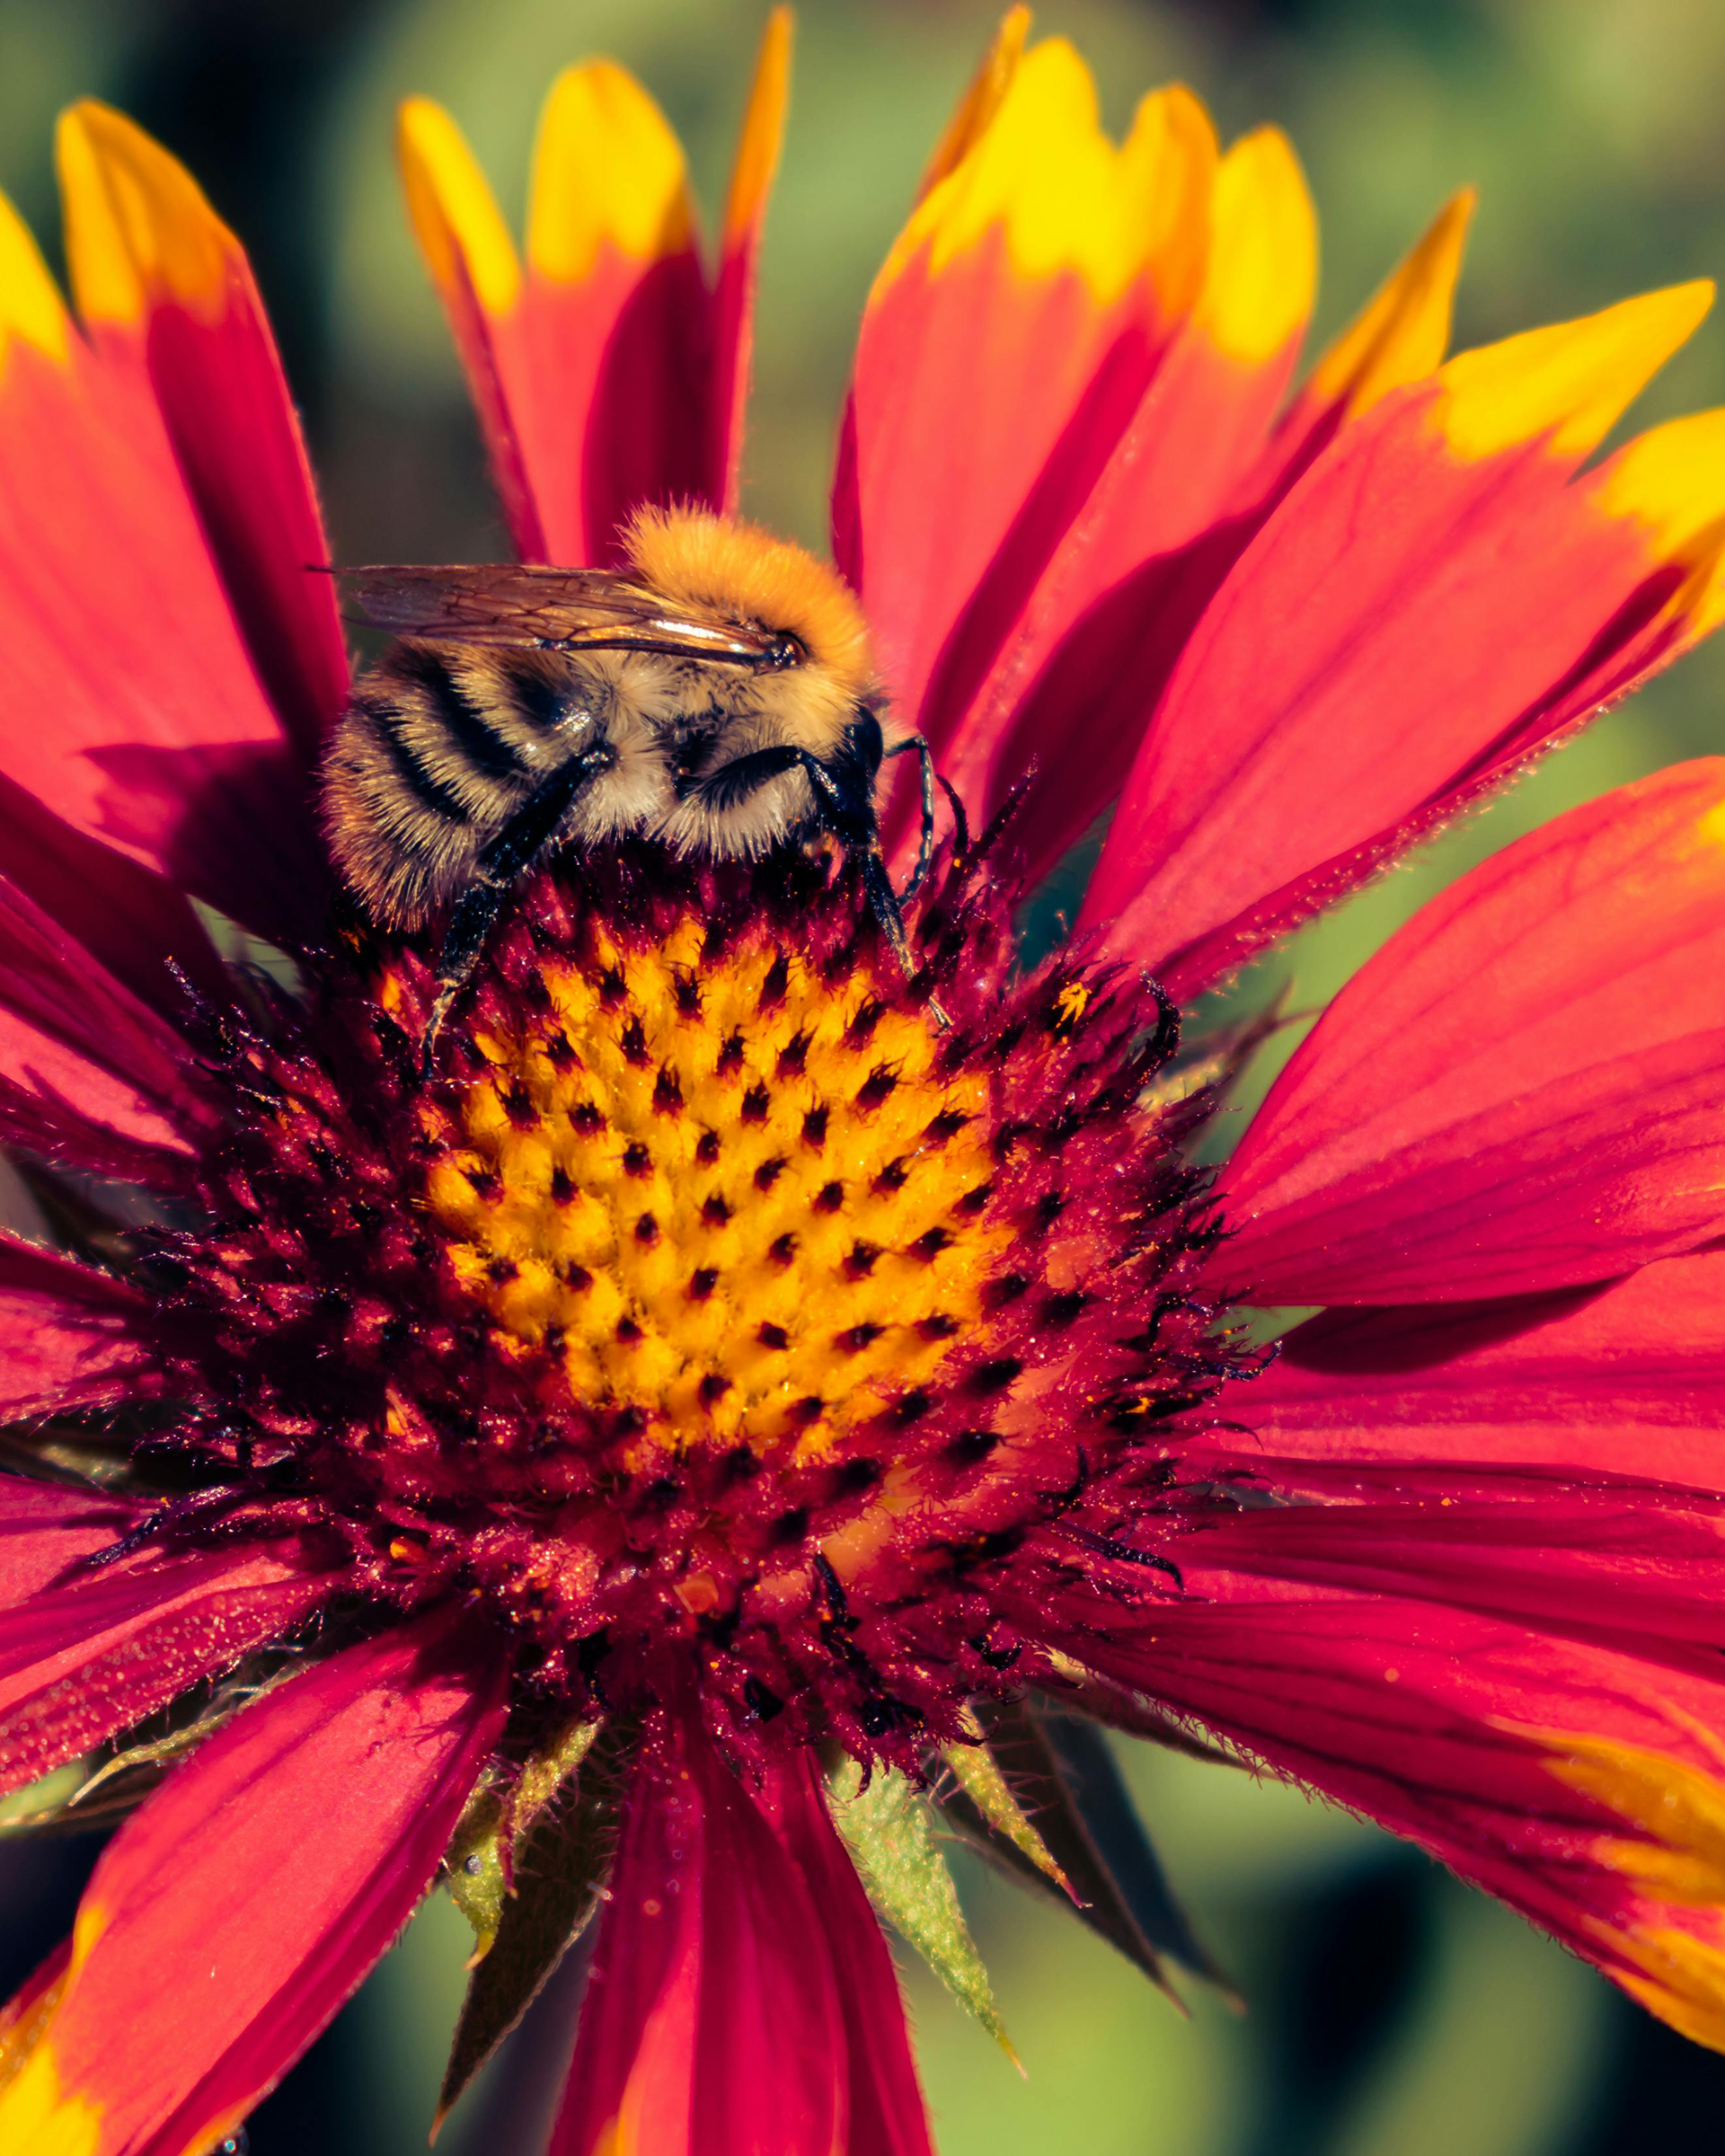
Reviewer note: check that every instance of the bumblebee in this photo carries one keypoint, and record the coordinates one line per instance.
(716, 694)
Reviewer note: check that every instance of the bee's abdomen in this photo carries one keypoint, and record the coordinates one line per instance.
(434, 752)
(467, 720)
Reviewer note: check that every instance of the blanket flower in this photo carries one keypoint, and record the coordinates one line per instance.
(750, 1391)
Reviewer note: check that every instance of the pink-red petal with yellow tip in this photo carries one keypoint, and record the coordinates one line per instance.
(230, 1918)
(70, 1335)
(1416, 615)
(1520, 1091)
(606, 371)
(96, 1656)
(1064, 264)
(1581, 1784)
(1182, 500)
(1585, 1381)
(1077, 658)
(49, 1528)
(115, 620)
(159, 279)
(712, 2025)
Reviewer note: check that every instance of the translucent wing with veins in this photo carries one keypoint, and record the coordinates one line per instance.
(509, 604)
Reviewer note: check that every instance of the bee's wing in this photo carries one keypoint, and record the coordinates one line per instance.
(507, 604)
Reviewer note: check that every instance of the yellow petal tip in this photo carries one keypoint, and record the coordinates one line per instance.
(453, 211)
(1263, 271)
(1402, 334)
(31, 311)
(138, 229)
(1569, 383)
(608, 171)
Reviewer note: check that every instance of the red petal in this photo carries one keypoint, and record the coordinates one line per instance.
(71, 1032)
(1429, 604)
(1598, 1379)
(1158, 530)
(133, 923)
(886, 2116)
(1615, 1558)
(1062, 262)
(39, 1120)
(1521, 1090)
(592, 372)
(162, 284)
(114, 619)
(46, 1527)
(84, 1661)
(1583, 1785)
(711, 2026)
(232, 1915)
(69, 1336)
(740, 245)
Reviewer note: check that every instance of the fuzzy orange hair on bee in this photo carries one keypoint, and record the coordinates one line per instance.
(716, 694)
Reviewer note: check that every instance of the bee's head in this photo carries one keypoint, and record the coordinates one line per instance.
(721, 565)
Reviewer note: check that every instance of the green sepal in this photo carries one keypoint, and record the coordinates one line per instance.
(1060, 1772)
(891, 1832)
(478, 1865)
(978, 1773)
(552, 1829)
(474, 1862)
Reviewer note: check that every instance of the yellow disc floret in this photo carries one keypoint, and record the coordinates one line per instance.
(734, 1196)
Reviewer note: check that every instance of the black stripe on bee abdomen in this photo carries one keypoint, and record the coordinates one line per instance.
(471, 732)
(391, 726)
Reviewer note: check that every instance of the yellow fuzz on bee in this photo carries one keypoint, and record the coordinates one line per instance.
(741, 1212)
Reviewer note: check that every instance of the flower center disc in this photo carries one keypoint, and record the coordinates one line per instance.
(735, 1198)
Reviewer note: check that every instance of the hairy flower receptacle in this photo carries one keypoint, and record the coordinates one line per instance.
(715, 1313)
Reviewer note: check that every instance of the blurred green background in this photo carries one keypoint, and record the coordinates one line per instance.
(1391, 2014)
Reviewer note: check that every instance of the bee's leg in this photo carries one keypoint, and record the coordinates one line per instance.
(917, 746)
(500, 862)
(847, 811)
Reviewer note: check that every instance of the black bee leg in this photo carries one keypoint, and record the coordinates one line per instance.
(845, 806)
(883, 903)
(499, 863)
(916, 747)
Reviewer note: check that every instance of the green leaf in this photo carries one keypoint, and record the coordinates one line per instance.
(890, 1828)
(542, 1846)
